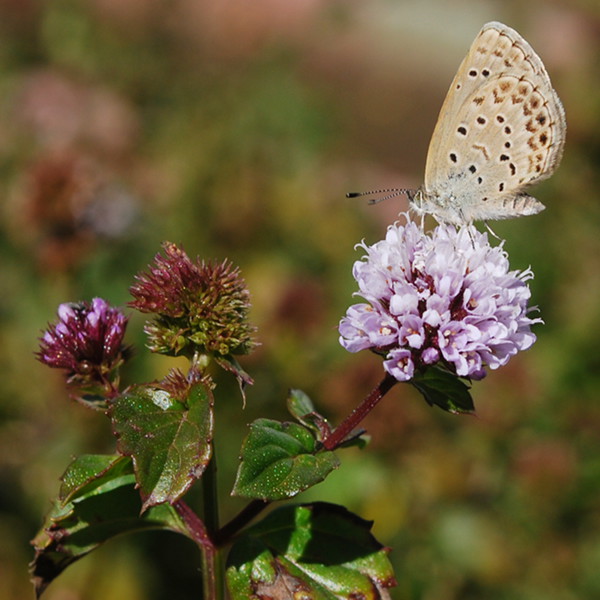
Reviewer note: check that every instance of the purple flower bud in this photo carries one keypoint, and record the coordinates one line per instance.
(66, 312)
(87, 341)
(412, 332)
(399, 364)
(445, 296)
(365, 328)
(430, 355)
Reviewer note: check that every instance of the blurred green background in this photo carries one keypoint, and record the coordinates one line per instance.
(235, 128)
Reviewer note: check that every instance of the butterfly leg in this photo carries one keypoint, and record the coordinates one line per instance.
(470, 232)
(487, 226)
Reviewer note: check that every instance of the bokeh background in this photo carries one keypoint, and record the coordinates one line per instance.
(235, 128)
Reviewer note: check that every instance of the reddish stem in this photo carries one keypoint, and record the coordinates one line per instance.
(199, 534)
(349, 424)
(224, 535)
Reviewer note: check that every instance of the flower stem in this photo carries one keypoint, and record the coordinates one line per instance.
(341, 432)
(202, 532)
(210, 499)
(244, 517)
(212, 586)
(210, 495)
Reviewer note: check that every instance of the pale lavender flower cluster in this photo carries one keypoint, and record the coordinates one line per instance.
(444, 297)
(87, 341)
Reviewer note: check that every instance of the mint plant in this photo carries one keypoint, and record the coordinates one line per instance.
(440, 308)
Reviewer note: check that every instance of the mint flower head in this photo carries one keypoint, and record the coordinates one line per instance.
(445, 298)
(87, 342)
(200, 307)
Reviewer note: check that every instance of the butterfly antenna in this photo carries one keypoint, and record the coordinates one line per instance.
(390, 193)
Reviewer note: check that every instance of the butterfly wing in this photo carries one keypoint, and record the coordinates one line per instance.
(501, 128)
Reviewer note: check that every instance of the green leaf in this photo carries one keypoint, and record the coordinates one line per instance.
(444, 389)
(85, 475)
(302, 408)
(102, 505)
(279, 460)
(170, 443)
(358, 438)
(319, 551)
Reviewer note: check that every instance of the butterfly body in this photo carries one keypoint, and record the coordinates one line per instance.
(501, 129)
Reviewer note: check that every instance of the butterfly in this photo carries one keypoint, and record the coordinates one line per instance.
(501, 129)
